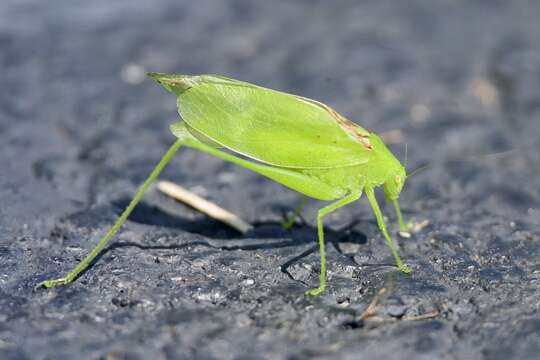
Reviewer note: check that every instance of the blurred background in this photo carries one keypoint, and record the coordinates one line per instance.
(81, 126)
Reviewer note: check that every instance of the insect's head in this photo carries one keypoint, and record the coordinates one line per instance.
(393, 186)
(386, 169)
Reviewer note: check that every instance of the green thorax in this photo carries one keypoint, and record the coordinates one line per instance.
(382, 169)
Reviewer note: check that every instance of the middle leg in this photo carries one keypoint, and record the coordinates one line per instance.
(320, 231)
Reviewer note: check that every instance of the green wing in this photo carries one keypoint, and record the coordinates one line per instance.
(267, 125)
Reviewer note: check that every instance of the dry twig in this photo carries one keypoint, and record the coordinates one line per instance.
(429, 315)
(372, 307)
(206, 207)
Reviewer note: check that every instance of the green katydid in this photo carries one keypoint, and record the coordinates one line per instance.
(295, 141)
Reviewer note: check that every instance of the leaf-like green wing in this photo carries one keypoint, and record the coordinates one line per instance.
(267, 125)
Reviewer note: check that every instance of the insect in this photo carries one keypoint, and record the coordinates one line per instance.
(295, 141)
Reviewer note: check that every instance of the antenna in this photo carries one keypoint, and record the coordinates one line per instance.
(406, 153)
(418, 169)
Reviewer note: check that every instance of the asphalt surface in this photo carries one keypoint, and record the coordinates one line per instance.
(81, 127)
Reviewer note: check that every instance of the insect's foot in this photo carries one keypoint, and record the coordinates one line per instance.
(405, 229)
(288, 222)
(47, 284)
(315, 292)
(404, 269)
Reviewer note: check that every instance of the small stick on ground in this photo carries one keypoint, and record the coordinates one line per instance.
(372, 307)
(206, 207)
(429, 315)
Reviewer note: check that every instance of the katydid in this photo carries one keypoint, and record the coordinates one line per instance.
(295, 141)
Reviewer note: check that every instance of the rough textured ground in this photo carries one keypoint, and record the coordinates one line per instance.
(80, 129)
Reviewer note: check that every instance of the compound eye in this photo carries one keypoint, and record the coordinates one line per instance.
(398, 179)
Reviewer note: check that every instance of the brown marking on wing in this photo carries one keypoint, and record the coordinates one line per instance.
(348, 125)
(351, 127)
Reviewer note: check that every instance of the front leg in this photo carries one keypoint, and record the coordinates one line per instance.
(403, 227)
(382, 226)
